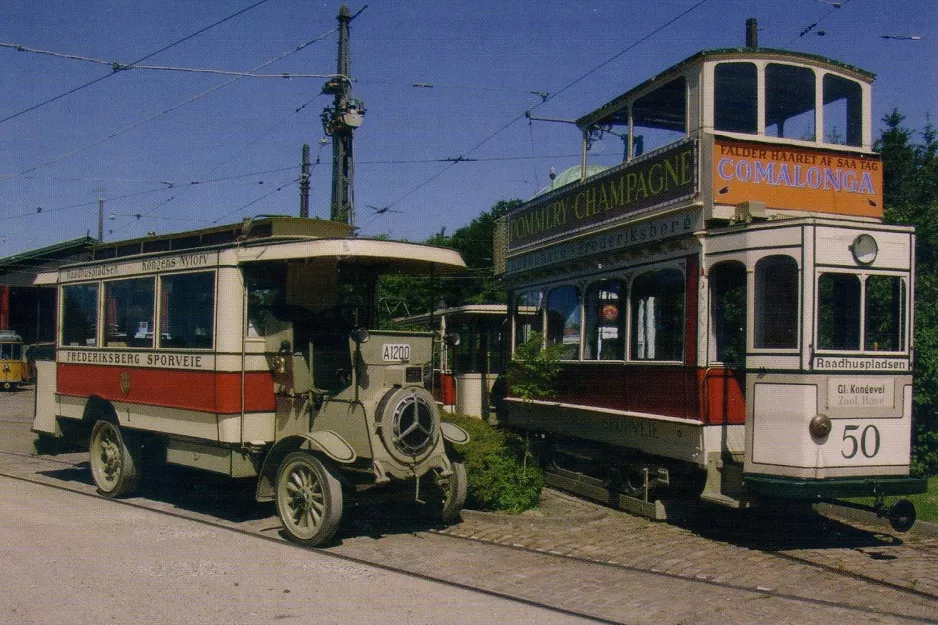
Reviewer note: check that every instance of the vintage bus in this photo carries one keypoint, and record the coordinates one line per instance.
(723, 294)
(251, 350)
(13, 371)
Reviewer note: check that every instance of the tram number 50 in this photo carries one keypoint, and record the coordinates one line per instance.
(866, 441)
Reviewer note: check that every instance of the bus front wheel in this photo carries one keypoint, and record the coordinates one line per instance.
(309, 498)
(113, 466)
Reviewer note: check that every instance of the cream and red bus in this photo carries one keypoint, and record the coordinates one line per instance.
(251, 350)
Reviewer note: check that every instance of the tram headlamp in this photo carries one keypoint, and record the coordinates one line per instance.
(820, 426)
(864, 249)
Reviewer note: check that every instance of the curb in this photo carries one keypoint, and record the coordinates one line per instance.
(923, 529)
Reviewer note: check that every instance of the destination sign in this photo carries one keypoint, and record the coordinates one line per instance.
(658, 180)
(177, 262)
(847, 363)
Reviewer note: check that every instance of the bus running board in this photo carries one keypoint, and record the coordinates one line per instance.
(597, 490)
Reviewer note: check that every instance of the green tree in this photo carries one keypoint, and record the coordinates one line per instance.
(910, 190)
(407, 295)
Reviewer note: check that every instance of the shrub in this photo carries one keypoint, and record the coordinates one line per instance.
(503, 474)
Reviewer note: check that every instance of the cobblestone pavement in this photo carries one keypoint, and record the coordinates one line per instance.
(803, 555)
(712, 565)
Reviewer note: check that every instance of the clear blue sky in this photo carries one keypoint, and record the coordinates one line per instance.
(154, 144)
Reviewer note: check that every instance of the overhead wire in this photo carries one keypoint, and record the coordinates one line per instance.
(811, 27)
(550, 96)
(140, 60)
(119, 67)
(165, 111)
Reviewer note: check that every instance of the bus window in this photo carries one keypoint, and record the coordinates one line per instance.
(128, 313)
(529, 316)
(885, 314)
(736, 98)
(563, 321)
(728, 312)
(839, 311)
(658, 316)
(843, 111)
(264, 284)
(80, 315)
(187, 310)
(789, 102)
(605, 316)
(776, 305)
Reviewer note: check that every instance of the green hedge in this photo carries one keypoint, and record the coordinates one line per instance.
(503, 475)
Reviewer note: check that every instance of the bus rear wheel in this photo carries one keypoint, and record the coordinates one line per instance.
(113, 465)
(309, 498)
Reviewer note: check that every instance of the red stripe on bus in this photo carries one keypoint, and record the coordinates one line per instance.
(205, 391)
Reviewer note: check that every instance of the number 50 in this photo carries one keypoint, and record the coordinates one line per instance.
(867, 443)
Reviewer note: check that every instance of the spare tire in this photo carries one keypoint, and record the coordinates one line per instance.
(409, 423)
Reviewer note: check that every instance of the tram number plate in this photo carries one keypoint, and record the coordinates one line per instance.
(395, 352)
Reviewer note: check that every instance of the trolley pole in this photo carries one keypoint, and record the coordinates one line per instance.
(304, 183)
(340, 122)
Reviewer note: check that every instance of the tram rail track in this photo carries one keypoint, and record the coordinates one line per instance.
(918, 597)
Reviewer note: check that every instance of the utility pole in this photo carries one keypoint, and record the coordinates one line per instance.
(100, 221)
(304, 183)
(340, 122)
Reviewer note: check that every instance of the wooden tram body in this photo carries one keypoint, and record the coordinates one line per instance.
(726, 299)
(244, 350)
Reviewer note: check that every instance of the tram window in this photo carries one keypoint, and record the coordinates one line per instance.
(128, 313)
(80, 314)
(776, 303)
(728, 311)
(11, 351)
(657, 329)
(605, 315)
(736, 98)
(529, 316)
(187, 310)
(885, 314)
(563, 321)
(789, 102)
(839, 311)
(843, 111)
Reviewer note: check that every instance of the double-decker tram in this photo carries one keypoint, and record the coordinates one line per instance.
(251, 351)
(723, 294)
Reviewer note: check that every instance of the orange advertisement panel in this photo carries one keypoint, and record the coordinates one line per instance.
(803, 179)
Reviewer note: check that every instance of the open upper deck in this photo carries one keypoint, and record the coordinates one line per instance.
(724, 135)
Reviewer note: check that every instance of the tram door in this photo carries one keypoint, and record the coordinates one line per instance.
(725, 382)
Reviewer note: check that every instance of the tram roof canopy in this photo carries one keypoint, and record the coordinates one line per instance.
(615, 112)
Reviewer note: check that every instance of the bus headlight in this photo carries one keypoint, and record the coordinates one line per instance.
(820, 426)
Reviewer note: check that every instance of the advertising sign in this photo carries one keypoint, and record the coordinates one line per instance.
(660, 179)
(805, 179)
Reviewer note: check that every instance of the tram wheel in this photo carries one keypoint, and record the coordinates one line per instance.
(449, 493)
(309, 498)
(113, 465)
